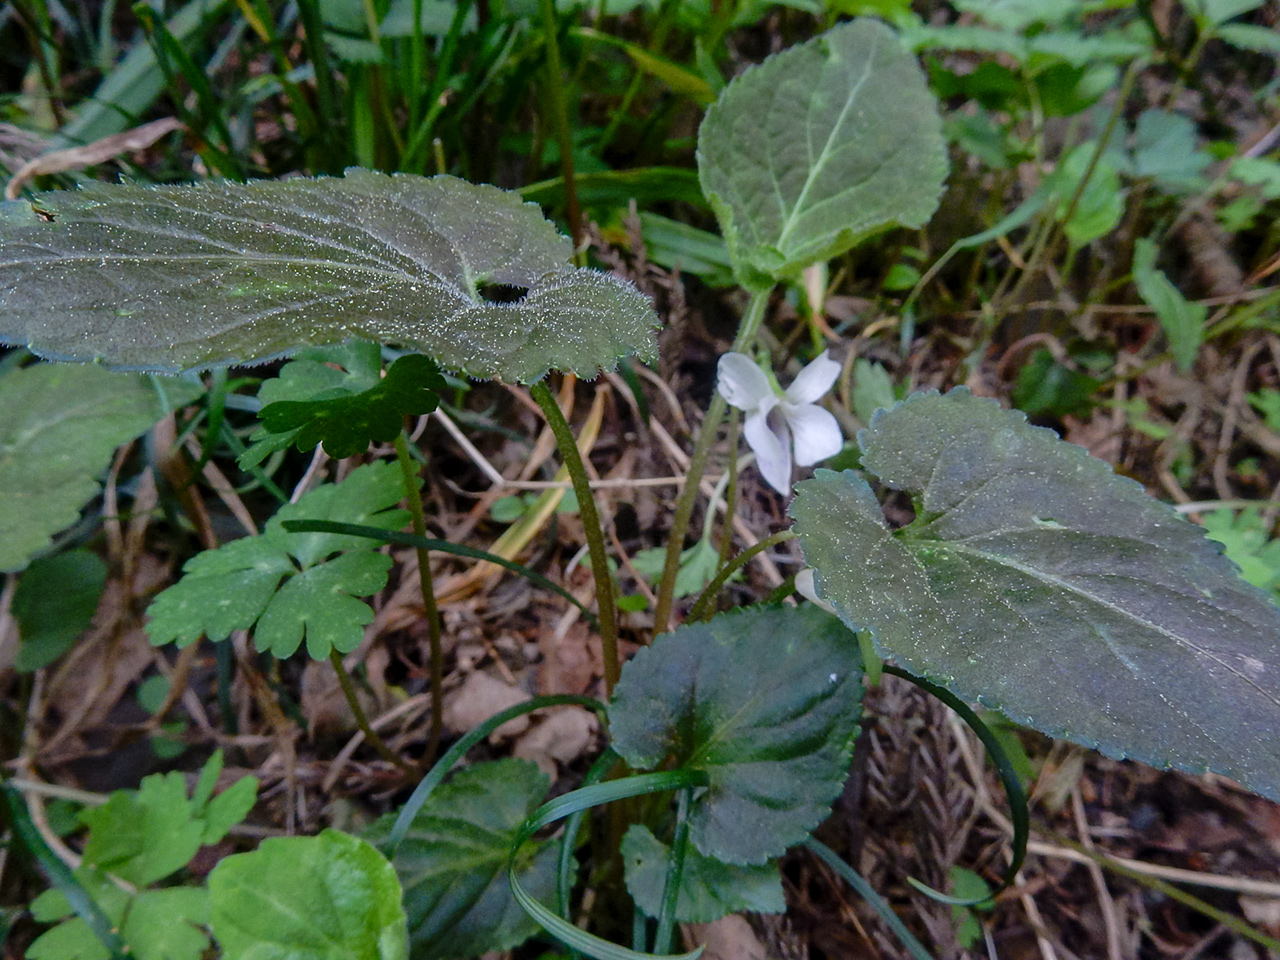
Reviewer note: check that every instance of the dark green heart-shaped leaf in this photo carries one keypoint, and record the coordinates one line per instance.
(174, 278)
(820, 147)
(346, 424)
(766, 701)
(1036, 581)
(453, 862)
(709, 889)
(59, 428)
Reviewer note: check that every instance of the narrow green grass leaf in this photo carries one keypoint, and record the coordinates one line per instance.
(873, 899)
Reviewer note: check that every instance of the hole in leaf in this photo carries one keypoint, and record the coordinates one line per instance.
(501, 292)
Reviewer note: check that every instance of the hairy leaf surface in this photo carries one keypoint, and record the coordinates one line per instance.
(284, 582)
(1036, 581)
(329, 897)
(188, 277)
(709, 889)
(766, 701)
(60, 426)
(820, 147)
(453, 862)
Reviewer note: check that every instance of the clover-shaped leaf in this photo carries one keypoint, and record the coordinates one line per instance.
(285, 582)
(187, 277)
(348, 422)
(1037, 581)
(766, 701)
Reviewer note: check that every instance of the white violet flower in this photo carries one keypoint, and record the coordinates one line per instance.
(776, 423)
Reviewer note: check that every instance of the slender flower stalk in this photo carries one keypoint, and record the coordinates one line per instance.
(747, 330)
(362, 721)
(428, 600)
(608, 611)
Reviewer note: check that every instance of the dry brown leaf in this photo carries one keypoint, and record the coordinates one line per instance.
(729, 938)
(75, 158)
(563, 736)
(478, 699)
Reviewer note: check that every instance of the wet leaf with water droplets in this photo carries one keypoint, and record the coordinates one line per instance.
(1037, 581)
(188, 277)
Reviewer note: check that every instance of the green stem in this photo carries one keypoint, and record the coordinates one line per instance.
(731, 491)
(750, 325)
(555, 93)
(410, 472)
(371, 735)
(591, 524)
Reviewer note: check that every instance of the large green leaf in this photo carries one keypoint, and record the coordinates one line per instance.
(59, 429)
(181, 277)
(1036, 581)
(766, 701)
(819, 147)
(453, 862)
(330, 897)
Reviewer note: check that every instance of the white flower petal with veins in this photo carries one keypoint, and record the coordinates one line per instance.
(815, 433)
(814, 380)
(783, 428)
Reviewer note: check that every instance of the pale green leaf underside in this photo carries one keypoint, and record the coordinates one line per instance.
(58, 430)
(1037, 581)
(188, 277)
(819, 147)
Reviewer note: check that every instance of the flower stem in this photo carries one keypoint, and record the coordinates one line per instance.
(564, 137)
(414, 499)
(608, 611)
(697, 465)
(371, 735)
